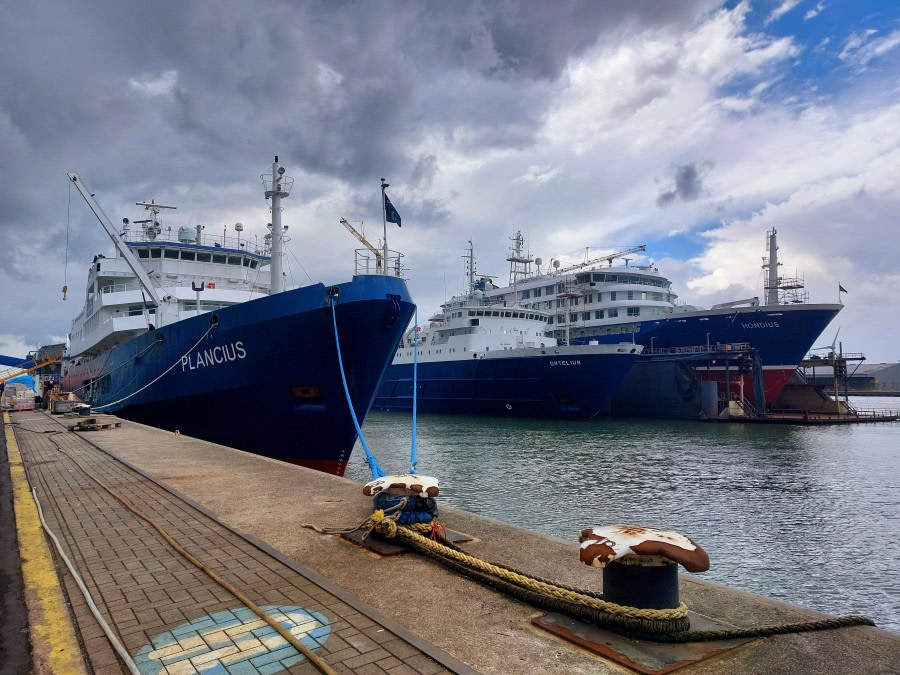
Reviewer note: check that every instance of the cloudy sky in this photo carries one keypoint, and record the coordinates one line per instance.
(692, 127)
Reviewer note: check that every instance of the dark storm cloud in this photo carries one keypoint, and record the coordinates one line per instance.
(687, 184)
(155, 98)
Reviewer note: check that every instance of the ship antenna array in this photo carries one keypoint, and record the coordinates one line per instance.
(519, 261)
(153, 229)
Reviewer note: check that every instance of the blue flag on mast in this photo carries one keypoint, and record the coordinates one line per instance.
(841, 289)
(390, 213)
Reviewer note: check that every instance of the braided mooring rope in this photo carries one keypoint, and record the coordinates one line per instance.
(666, 625)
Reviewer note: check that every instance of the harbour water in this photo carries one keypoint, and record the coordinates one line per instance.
(805, 514)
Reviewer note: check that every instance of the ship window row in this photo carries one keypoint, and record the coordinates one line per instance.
(611, 313)
(198, 256)
(611, 296)
(505, 313)
(191, 306)
(619, 278)
(138, 310)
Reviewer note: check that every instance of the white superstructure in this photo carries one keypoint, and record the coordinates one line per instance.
(160, 276)
(589, 295)
(478, 325)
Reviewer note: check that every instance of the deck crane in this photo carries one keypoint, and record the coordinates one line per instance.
(379, 255)
(609, 258)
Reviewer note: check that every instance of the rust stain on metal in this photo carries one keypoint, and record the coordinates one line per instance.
(641, 656)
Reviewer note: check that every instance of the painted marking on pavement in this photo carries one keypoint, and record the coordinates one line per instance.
(235, 642)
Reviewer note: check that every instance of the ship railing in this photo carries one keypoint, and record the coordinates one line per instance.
(368, 263)
(791, 297)
(166, 235)
(701, 349)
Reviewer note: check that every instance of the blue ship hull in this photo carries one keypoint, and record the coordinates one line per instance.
(262, 376)
(782, 335)
(576, 386)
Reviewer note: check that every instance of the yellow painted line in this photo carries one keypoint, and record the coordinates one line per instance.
(53, 642)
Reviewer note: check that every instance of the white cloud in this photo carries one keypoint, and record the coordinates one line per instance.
(861, 47)
(814, 12)
(479, 146)
(538, 174)
(14, 346)
(782, 9)
(149, 85)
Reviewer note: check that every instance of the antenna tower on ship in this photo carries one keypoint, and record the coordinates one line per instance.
(470, 266)
(791, 288)
(277, 186)
(519, 262)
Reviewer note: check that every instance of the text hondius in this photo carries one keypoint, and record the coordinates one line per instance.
(213, 356)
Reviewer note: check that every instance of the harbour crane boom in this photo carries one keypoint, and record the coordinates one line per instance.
(379, 255)
(609, 258)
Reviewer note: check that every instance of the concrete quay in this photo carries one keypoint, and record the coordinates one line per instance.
(243, 516)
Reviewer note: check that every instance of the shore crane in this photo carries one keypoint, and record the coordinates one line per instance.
(608, 258)
(379, 255)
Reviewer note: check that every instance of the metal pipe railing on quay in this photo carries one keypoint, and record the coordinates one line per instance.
(700, 349)
(877, 412)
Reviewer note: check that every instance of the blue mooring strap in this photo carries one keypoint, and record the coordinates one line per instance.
(376, 470)
(412, 450)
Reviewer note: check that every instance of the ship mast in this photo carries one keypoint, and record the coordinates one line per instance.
(470, 264)
(277, 186)
(771, 264)
(519, 262)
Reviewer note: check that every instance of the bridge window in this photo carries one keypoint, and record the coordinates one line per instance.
(171, 253)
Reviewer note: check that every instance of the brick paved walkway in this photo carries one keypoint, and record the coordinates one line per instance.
(170, 616)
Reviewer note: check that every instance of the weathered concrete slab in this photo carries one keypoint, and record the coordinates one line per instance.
(491, 633)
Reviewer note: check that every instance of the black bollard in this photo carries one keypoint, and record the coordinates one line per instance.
(635, 583)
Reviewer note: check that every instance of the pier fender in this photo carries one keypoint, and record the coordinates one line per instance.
(641, 563)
